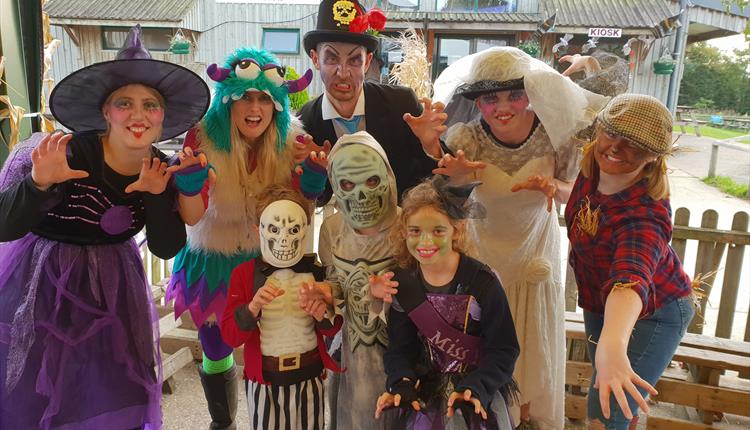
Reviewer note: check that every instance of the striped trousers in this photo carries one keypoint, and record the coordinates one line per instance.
(286, 407)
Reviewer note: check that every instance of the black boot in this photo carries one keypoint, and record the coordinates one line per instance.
(221, 393)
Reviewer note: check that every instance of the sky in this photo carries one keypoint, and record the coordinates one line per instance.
(728, 44)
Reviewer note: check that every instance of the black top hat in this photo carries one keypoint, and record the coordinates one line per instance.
(334, 18)
(76, 102)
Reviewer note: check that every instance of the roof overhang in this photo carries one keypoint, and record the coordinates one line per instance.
(113, 22)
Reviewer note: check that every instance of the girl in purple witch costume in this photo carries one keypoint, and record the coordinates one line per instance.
(250, 137)
(452, 342)
(78, 329)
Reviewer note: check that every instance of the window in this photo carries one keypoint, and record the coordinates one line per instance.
(281, 40)
(155, 39)
(452, 47)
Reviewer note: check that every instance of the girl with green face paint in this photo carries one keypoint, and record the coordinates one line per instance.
(452, 342)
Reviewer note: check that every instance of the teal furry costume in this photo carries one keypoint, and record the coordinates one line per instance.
(224, 237)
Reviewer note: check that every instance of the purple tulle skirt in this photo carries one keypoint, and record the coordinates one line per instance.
(78, 337)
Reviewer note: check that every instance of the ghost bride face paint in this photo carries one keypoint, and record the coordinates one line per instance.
(283, 227)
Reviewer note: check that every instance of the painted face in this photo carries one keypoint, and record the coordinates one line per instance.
(342, 68)
(616, 155)
(252, 114)
(360, 184)
(135, 116)
(283, 227)
(505, 111)
(429, 236)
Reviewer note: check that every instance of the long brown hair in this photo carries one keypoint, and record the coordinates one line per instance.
(419, 197)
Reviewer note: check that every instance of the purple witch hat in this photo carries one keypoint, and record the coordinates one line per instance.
(76, 102)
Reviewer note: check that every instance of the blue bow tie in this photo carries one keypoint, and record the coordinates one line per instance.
(352, 125)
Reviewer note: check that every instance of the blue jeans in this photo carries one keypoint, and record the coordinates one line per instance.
(651, 347)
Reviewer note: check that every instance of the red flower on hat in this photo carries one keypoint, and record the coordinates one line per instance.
(376, 18)
(359, 24)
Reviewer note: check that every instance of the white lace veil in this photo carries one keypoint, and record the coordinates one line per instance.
(561, 105)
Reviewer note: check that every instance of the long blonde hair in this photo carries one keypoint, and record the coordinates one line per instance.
(267, 160)
(655, 171)
(422, 196)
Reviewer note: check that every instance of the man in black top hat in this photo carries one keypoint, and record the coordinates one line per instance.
(341, 48)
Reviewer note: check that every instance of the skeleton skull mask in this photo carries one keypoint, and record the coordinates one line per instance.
(360, 184)
(283, 227)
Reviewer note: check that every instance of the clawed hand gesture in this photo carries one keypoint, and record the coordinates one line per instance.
(265, 295)
(305, 146)
(153, 178)
(615, 376)
(545, 185)
(382, 287)
(458, 166)
(429, 126)
(49, 162)
(580, 62)
(188, 158)
(314, 299)
(388, 400)
(465, 397)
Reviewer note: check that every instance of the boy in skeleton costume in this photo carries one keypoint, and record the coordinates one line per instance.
(249, 135)
(271, 312)
(353, 246)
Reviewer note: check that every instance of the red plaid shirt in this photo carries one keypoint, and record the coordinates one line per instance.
(631, 245)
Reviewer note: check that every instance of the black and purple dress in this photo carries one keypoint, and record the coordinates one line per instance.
(451, 338)
(78, 329)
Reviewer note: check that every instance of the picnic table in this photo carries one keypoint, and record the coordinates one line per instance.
(684, 116)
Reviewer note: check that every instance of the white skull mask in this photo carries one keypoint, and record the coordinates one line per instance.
(360, 184)
(283, 227)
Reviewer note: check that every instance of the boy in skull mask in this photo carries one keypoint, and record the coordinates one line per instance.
(271, 312)
(353, 246)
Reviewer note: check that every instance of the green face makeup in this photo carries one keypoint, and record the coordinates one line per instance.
(429, 236)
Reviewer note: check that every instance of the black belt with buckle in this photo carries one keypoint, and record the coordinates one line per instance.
(292, 368)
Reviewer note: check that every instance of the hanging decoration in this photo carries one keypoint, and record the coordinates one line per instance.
(562, 47)
(589, 45)
(665, 26)
(179, 44)
(665, 64)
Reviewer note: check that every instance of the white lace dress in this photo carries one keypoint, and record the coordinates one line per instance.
(521, 241)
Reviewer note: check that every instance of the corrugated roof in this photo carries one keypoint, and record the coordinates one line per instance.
(607, 13)
(570, 13)
(466, 17)
(141, 10)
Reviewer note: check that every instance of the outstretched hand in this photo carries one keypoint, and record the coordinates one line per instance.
(304, 146)
(458, 166)
(615, 376)
(546, 185)
(49, 162)
(465, 397)
(382, 287)
(188, 158)
(429, 126)
(580, 62)
(265, 295)
(153, 178)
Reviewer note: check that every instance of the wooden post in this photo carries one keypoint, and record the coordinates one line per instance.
(706, 262)
(682, 218)
(714, 158)
(731, 284)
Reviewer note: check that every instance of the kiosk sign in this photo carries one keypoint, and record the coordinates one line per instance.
(605, 32)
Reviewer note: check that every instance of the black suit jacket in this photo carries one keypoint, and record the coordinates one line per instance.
(385, 106)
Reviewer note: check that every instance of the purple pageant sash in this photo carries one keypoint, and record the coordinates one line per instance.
(455, 349)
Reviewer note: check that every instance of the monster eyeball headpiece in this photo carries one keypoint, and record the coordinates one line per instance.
(250, 69)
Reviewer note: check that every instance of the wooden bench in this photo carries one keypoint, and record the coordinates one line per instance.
(701, 387)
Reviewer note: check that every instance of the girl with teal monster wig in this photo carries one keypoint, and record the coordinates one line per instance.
(248, 135)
